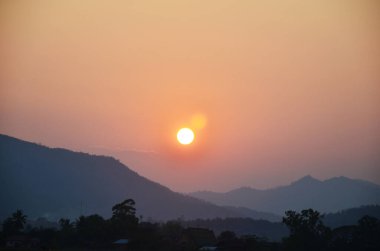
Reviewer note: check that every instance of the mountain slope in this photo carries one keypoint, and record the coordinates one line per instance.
(351, 216)
(59, 183)
(326, 196)
(253, 214)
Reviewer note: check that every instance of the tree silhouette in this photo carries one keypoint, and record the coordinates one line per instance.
(367, 234)
(15, 223)
(65, 224)
(307, 231)
(19, 219)
(124, 221)
(227, 240)
(124, 209)
(92, 230)
(66, 233)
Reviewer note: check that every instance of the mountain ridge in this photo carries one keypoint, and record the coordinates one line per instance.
(56, 182)
(330, 195)
(77, 175)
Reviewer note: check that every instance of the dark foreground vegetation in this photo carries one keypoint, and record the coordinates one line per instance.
(124, 231)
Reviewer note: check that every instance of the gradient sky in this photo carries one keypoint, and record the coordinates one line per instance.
(287, 88)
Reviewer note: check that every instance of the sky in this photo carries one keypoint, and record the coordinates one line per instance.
(274, 90)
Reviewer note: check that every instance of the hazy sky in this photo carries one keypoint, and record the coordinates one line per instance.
(287, 88)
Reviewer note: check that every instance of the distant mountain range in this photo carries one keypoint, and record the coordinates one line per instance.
(331, 195)
(54, 183)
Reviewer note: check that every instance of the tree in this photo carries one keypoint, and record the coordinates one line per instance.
(124, 209)
(367, 233)
(15, 223)
(124, 221)
(92, 230)
(66, 233)
(227, 240)
(65, 224)
(227, 236)
(307, 231)
(172, 230)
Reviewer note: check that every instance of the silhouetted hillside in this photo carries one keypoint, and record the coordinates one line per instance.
(57, 183)
(351, 216)
(325, 196)
(257, 215)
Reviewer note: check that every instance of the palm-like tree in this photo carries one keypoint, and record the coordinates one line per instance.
(15, 223)
(19, 219)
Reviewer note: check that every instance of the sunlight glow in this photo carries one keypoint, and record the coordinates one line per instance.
(198, 121)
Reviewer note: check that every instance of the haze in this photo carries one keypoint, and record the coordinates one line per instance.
(288, 88)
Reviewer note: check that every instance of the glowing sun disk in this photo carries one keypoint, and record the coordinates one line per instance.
(185, 136)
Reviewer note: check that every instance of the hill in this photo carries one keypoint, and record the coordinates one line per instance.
(53, 183)
(327, 196)
(351, 216)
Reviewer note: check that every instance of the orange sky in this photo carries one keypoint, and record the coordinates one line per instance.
(288, 87)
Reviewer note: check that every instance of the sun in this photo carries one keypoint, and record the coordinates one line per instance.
(185, 136)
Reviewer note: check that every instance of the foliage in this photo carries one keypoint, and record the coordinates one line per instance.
(367, 233)
(124, 210)
(67, 234)
(307, 231)
(274, 231)
(124, 221)
(15, 223)
(92, 232)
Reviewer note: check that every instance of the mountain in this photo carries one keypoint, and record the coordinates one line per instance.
(253, 214)
(351, 216)
(331, 195)
(54, 183)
